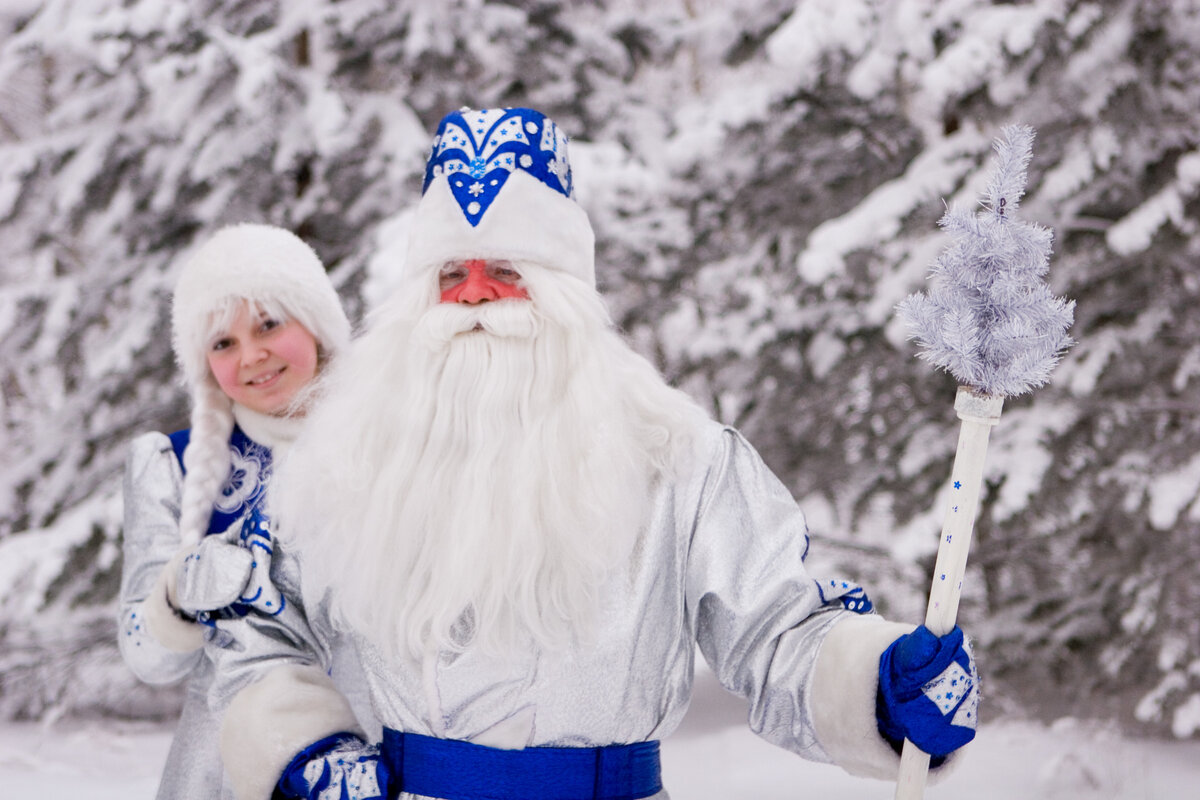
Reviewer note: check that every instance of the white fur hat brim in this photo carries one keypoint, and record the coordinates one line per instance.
(527, 222)
(260, 264)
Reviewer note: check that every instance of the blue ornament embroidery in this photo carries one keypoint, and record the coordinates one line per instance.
(246, 486)
(849, 596)
(478, 151)
(240, 500)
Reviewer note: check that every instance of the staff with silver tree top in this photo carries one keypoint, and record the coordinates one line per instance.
(991, 322)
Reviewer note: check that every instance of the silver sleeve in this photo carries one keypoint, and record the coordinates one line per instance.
(758, 614)
(152, 491)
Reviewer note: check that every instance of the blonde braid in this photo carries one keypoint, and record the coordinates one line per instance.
(206, 460)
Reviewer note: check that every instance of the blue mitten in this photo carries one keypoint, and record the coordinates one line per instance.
(928, 691)
(339, 767)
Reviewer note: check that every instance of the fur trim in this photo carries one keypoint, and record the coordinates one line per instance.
(845, 682)
(527, 222)
(162, 621)
(270, 721)
(276, 433)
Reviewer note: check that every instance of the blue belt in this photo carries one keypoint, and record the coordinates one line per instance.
(455, 770)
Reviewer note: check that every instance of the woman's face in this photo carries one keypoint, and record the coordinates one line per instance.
(261, 362)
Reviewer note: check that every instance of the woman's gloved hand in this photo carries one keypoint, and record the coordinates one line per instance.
(220, 579)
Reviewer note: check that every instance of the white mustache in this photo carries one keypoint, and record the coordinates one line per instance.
(508, 319)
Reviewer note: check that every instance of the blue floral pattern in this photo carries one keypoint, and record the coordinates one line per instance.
(246, 487)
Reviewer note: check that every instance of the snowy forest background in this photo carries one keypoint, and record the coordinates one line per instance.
(764, 177)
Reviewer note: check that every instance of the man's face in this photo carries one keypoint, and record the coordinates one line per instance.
(479, 281)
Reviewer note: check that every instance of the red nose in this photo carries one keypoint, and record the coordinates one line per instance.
(480, 287)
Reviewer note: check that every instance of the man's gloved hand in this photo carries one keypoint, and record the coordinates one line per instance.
(928, 692)
(339, 767)
(219, 579)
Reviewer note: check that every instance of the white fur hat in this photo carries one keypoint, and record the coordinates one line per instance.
(259, 263)
(498, 185)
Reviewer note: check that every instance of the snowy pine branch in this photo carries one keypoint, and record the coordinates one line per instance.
(989, 319)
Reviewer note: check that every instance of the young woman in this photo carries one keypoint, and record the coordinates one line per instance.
(254, 319)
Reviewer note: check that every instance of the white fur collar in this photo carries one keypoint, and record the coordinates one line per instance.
(268, 430)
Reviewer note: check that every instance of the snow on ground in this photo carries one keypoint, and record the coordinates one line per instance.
(81, 761)
(712, 756)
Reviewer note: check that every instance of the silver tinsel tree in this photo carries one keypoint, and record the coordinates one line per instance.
(989, 319)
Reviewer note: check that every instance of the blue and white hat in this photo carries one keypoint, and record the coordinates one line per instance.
(498, 185)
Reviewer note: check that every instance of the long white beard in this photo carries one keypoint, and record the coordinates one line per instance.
(460, 487)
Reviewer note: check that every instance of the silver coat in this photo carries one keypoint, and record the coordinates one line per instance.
(153, 489)
(720, 564)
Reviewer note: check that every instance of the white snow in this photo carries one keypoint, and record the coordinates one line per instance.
(877, 218)
(1134, 232)
(816, 28)
(30, 563)
(1186, 719)
(1083, 365)
(1018, 453)
(824, 352)
(179, 116)
(1173, 492)
(1085, 156)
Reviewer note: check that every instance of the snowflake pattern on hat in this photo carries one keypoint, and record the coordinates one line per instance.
(478, 151)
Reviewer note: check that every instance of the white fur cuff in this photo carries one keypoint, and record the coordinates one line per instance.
(845, 682)
(270, 721)
(162, 622)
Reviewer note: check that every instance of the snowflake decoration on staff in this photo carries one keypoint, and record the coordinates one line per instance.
(989, 319)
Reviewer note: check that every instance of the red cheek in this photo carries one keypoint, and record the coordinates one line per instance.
(510, 290)
(224, 370)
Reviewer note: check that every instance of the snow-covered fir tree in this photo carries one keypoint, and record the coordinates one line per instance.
(765, 178)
